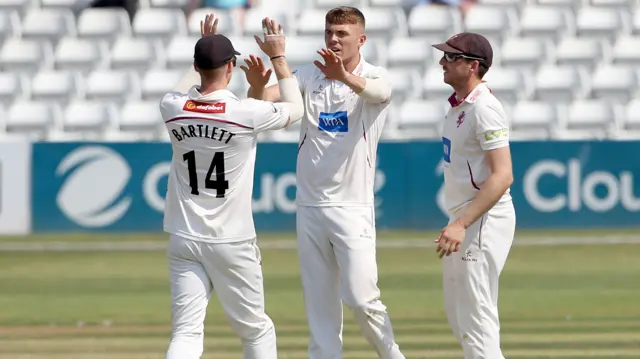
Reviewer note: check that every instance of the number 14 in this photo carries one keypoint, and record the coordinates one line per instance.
(219, 184)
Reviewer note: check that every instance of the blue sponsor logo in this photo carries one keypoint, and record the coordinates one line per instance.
(334, 122)
(446, 143)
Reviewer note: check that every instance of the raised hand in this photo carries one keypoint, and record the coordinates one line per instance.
(209, 26)
(273, 43)
(333, 67)
(255, 71)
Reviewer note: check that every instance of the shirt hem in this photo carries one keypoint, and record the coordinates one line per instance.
(198, 238)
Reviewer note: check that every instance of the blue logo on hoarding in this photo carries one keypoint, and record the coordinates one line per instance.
(334, 122)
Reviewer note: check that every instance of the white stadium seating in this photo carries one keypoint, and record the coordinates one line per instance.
(564, 69)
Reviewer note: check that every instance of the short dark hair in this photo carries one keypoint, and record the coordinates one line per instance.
(482, 68)
(345, 15)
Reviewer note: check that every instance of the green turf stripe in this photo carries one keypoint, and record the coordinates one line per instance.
(516, 342)
(301, 331)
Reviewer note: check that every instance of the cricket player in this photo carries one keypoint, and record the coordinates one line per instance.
(477, 175)
(208, 205)
(346, 101)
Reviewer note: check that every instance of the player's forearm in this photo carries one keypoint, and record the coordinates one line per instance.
(371, 90)
(257, 93)
(490, 193)
(281, 68)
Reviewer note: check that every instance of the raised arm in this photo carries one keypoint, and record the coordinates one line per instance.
(288, 91)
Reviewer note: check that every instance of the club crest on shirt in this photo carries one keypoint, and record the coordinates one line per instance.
(460, 119)
(203, 107)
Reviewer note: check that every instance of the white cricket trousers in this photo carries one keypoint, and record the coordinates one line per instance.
(234, 271)
(337, 254)
(470, 282)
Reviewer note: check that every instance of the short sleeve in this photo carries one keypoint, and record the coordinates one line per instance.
(303, 76)
(167, 107)
(492, 129)
(268, 115)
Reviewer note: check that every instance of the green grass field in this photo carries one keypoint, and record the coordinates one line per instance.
(555, 302)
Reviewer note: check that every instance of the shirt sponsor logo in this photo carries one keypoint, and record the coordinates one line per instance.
(334, 122)
(446, 143)
(494, 135)
(203, 107)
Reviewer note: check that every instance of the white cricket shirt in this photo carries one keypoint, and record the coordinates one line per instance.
(338, 139)
(472, 126)
(214, 139)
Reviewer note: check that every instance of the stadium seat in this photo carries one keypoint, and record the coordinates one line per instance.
(422, 119)
(408, 53)
(635, 21)
(80, 55)
(238, 84)
(72, 5)
(626, 51)
(391, 4)
(179, 52)
(246, 46)
(523, 53)
(48, 25)
(507, 84)
(55, 86)
(598, 22)
(252, 23)
(532, 120)
(543, 22)
(226, 24)
(630, 124)
(406, 84)
(159, 24)
(113, 86)
(560, 4)
(310, 23)
(170, 4)
(12, 87)
(557, 84)
(288, 135)
(587, 120)
(583, 52)
(616, 4)
(301, 51)
(104, 24)
(614, 83)
(443, 22)
(291, 8)
(21, 6)
(493, 22)
(385, 24)
(156, 83)
(433, 86)
(92, 115)
(26, 56)
(136, 54)
(9, 25)
(141, 116)
(375, 52)
(32, 119)
(330, 4)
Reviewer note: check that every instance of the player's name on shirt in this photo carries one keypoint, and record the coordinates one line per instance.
(205, 131)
